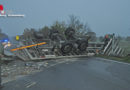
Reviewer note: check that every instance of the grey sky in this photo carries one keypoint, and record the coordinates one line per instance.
(103, 16)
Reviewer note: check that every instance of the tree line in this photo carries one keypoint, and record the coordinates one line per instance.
(81, 29)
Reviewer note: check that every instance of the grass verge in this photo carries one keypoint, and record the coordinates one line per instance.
(121, 59)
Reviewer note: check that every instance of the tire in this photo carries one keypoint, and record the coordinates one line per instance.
(66, 48)
(69, 32)
(82, 45)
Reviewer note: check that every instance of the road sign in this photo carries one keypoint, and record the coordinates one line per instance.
(17, 38)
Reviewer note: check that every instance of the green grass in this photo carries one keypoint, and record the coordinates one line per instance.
(122, 59)
(126, 46)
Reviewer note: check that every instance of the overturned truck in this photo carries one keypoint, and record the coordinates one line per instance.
(34, 45)
(57, 45)
(37, 45)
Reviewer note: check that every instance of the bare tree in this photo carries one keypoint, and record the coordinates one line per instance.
(45, 31)
(81, 28)
(75, 23)
(60, 26)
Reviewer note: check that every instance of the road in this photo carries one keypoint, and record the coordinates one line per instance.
(77, 74)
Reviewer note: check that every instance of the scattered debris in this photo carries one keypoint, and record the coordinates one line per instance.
(15, 69)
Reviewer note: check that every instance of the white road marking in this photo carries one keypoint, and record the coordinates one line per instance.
(64, 61)
(30, 85)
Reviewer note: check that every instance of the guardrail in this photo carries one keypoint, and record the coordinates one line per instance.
(34, 54)
(113, 48)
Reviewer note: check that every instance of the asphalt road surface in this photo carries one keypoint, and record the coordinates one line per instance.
(77, 74)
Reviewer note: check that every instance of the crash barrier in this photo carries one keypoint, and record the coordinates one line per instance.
(112, 48)
(46, 52)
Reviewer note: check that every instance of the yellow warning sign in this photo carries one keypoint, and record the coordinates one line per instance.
(17, 38)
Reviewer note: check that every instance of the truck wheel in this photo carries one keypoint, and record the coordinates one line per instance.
(66, 48)
(82, 45)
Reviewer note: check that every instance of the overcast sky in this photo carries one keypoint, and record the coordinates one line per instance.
(103, 16)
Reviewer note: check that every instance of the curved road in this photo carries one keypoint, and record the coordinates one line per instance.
(77, 74)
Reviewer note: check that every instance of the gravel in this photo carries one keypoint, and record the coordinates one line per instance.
(15, 69)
